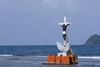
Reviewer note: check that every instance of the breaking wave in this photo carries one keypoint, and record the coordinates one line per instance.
(79, 57)
(89, 57)
(6, 55)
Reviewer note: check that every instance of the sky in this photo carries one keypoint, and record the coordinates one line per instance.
(35, 22)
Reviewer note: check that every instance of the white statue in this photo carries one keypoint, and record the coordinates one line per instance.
(62, 47)
(66, 47)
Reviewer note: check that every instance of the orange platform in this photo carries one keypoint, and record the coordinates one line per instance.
(61, 60)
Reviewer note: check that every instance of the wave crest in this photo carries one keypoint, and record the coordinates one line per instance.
(89, 57)
(6, 55)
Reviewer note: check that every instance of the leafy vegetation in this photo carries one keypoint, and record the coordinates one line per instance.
(93, 40)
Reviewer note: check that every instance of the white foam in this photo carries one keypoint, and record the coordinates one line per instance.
(82, 57)
(89, 57)
(41, 56)
(38, 56)
(6, 55)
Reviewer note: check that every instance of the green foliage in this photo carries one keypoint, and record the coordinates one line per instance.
(94, 38)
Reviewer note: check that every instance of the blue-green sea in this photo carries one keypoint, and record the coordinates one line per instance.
(44, 50)
(35, 55)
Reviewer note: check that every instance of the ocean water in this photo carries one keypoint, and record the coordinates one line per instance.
(82, 51)
(34, 56)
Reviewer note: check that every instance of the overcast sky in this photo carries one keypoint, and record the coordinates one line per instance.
(35, 22)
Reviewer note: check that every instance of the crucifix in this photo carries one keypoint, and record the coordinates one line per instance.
(65, 48)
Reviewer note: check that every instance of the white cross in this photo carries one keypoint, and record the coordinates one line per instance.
(65, 22)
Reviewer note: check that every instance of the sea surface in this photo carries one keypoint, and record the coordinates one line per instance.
(44, 50)
(35, 55)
